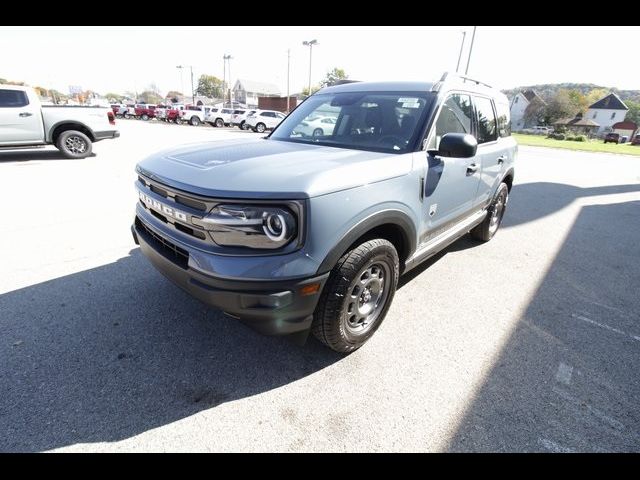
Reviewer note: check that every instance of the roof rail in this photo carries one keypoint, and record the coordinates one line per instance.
(446, 75)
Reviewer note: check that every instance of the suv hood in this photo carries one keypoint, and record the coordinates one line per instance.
(264, 168)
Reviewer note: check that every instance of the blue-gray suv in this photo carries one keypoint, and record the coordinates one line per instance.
(309, 230)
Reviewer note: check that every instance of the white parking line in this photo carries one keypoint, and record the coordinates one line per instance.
(554, 447)
(605, 326)
(564, 373)
(580, 404)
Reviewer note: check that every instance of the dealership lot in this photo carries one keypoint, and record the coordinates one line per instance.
(530, 342)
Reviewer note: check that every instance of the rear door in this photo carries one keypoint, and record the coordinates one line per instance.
(20, 119)
(491, 152)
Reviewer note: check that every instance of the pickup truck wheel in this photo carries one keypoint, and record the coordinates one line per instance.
(195, 121)
(488, 228)
(357, 296)
(243, 125)
(219, 123)
(178, 121)
(145, 117)
(261, 127)
(74, 144)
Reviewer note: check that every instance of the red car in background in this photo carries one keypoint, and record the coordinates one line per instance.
(145, 112)
(174, 113)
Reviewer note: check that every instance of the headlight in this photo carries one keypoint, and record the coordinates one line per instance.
(252, 226)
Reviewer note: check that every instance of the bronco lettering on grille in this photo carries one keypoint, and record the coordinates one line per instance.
(162, 208)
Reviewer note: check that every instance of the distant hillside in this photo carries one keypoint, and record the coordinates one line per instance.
(548, 90)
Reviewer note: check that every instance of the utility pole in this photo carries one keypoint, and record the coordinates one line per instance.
(193, 96)
(310, 44)
(464, 34)
(227, 58)
(473, 37)
(224, 78)
(288, 64)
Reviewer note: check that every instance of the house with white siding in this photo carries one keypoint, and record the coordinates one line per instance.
(519, 104)
(248, 91)
(606, 112)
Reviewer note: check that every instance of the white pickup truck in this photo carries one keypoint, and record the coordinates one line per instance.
(24, 123)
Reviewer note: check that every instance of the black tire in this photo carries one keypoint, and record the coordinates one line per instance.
(74, 144)
(260, 127)
(178, 120)
(195, 121)
(219, 123)
(127, 116)
(145, 117)
(357, 296)
(490, 225)
(318, 132)
(243, 125)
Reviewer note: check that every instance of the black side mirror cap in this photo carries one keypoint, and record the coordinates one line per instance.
(459, 145)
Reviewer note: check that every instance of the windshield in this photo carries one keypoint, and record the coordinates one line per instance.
(377, 121)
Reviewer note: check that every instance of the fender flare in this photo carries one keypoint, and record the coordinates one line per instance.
(384, 217)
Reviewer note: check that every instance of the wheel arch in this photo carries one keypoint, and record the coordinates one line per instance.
(508, 178)
(63, 126)
(393, 225)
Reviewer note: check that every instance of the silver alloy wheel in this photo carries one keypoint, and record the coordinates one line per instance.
(75, 144)
(260, 127)
(497, 213)
(367, 297)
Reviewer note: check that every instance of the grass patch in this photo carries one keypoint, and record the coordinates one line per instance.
(588, 146)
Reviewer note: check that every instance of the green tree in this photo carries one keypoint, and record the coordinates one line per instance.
(594, 95)
(314, 89)
(562, 105)
(114, 97)
(149, 96)
(209, 86)
(633, 115)
(173, 95)
(333, 76)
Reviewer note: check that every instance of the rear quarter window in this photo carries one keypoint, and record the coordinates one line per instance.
(13, 98)
(504, 119)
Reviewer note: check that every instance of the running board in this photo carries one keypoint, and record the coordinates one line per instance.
(445, 239)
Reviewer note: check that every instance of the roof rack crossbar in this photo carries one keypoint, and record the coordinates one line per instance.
(446, 75)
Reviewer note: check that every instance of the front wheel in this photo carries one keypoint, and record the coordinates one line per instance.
(195, 121)
(260, 128)
(219, 123)
(74, 144)
(318, 132)
(243, 125)
(357, 296)
(145, 117)
(488, 228)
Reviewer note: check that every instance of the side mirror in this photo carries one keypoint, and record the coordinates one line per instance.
(460, 145)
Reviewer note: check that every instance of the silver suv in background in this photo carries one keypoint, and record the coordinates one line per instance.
(219, 117)
(294, 233)
(239, 117)
(262, 120)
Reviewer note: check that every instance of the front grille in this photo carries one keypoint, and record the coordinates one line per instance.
(172, 252)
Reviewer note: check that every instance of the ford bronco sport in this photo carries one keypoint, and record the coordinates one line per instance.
(294, 233)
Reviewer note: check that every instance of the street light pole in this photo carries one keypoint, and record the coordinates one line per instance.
(288, 62)
(226, 58)
(464, 34)
(310, 44)
(473, 37)
(193, 97)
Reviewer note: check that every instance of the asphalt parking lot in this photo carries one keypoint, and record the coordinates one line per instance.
(530, 342)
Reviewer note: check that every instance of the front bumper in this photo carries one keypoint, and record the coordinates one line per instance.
(271, 307)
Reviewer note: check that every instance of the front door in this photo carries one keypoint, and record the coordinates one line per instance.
(20, 121)
(450, 184)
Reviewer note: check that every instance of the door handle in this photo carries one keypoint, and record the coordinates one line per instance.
(25, 114)
(471, 169)
(502, 159)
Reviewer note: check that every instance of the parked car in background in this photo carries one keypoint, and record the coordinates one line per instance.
(161, 112)
(174, 113)
(219, 117)
(145, 112)
(316, 127)
(239, 117)
(119, 109)
(539, 130)
(636, 140)
(262, 120)
(24, 122)
(129, 110)
(195, 115)
(624, 139)
(612, 137)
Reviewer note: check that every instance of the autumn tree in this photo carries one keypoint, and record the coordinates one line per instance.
(209, 86)
(334, 76)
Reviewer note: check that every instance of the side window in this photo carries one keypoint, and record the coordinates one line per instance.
(487, 131)
(455, 117)
(13, 98)
(504, 120)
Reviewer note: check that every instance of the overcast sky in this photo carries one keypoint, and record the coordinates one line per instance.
(129, 58)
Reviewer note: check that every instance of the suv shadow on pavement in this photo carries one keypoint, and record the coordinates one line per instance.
(566, 379)
(108, 353)
(35, 155)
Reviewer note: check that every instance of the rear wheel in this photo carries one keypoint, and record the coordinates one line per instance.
(74, 144)
(195, 121)
(219, 123)
(488, 228)
(260, 127)
(178, 120)
(145, 117)
(357, 295)
(318, 132)
(243, 125)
